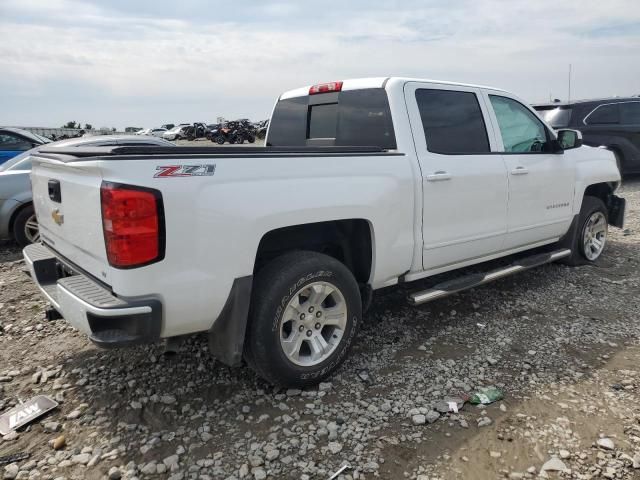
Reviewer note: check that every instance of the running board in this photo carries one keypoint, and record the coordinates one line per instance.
(469, 281)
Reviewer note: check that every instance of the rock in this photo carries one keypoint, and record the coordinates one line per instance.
(168, 399)
(335, 447)
(432, 416)
(495, 454)
(259, 473)
(419, 419)
(11, 471)
(636, 460)
(171, 461)
(11, 436)
(554, 464)
(35, 378)
(73, 415)
(272, 455)
(564, 454)
(491, 361)
(51, 427)
(59, 442)
(81, 459)
(606, 443)
(324, 386)
(484, 421)
(114, 473)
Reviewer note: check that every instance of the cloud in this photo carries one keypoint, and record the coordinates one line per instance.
(150, 62)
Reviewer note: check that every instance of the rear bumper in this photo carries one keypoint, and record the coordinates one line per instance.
(110, 321)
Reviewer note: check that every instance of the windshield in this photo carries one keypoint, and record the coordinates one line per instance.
(557, 117)
(176, 129)
(19, 162)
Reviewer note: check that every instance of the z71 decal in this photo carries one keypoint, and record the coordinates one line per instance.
(171, 171)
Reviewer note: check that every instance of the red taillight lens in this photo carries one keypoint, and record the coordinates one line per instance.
(326, 88)
(133, 225)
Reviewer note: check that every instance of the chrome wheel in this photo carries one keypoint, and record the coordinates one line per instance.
(313, 324)
(31, 229)
(594, 235)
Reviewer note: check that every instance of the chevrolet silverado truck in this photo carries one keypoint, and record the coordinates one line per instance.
(274, 251)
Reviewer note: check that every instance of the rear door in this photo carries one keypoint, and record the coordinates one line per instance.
(464, 185)
(541, 184)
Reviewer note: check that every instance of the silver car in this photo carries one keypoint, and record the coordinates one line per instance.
(17, 218)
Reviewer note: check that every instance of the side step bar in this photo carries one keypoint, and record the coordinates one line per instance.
(463, 283)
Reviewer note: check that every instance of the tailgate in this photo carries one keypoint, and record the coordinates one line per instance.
(66, 197)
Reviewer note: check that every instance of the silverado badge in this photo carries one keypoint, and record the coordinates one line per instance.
(57, 216)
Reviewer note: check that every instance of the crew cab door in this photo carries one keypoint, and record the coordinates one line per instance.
(464, 185)
(541, 183)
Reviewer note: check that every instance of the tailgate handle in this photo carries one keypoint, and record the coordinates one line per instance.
(54, 191)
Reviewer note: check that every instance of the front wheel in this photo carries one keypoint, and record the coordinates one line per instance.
(25, 227)
(304, 315)
(592, 231)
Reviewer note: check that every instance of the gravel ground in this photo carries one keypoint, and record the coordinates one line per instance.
(562, 343)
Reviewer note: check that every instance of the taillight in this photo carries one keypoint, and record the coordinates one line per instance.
(326, 88)
(133, 225)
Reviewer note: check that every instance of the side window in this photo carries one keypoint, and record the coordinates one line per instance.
(604, 115)
(521, 130)
(14, 142)
(452, 122)
(630, 113)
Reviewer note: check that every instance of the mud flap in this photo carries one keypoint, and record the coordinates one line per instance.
(226, 337)
(616, 207)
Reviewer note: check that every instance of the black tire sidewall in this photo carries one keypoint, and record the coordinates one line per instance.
(19, 223)
(275, 290)
(590, 205)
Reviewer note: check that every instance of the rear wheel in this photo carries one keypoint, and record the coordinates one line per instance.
(25, 227)
(592, 230)
(305, 312)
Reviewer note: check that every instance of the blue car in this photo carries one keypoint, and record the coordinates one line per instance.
(14, 141)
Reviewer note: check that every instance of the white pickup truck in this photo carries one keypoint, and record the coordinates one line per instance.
(274, 250)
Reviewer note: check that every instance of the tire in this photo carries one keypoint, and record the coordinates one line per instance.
(239, 139)
(583, 252)
(24, 231)
(287, 280)
(251, 139)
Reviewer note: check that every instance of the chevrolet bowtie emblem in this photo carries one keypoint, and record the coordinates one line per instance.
(57, 217)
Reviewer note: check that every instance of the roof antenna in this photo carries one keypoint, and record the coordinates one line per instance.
(569, 95)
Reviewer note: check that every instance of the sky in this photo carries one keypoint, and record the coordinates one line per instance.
(143, 63)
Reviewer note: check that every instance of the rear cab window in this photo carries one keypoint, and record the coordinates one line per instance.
(350, 118)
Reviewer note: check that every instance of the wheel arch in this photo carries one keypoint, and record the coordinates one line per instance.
(15, 213)
(351, 241)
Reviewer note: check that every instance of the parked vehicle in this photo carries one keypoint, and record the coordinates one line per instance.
(167, 126)
(14, 141)
(261, 129)
(154, 132)
(197, 130)
(237, 131)
(17, 216)
(176, 133)
(275, 251)
(610, 122)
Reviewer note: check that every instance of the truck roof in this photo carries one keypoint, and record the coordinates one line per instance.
(380, 82)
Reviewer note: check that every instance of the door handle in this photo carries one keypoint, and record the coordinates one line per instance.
(438, 176)
(519, 171)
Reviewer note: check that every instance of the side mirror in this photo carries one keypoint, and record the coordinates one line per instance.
(569, 139)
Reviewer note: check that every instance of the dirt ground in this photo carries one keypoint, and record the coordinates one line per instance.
(563, 344)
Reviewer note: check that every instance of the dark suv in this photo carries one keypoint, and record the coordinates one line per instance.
(612, 122)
